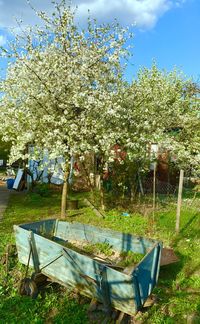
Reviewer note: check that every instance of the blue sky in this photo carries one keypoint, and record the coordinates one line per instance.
(174, 41)
(166, 31)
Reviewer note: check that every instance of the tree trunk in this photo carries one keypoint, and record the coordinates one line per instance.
(64, 195)
(132, 193)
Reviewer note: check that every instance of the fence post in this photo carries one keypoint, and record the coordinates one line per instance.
(154, 189)
(180, 190)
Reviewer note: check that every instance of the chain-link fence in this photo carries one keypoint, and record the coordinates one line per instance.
(161, 187)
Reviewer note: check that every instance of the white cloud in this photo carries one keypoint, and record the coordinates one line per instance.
(2, 40)
(143, 13)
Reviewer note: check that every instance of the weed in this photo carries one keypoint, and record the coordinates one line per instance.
(104, 248)
(129, 258)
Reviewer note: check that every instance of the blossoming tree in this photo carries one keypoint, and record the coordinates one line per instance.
(158, 108)
(61, 87)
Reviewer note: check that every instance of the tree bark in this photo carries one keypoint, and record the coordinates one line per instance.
(64, 195)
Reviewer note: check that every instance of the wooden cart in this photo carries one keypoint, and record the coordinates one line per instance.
(36, 246)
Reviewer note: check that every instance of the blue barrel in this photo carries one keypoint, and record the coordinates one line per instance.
(10, 183)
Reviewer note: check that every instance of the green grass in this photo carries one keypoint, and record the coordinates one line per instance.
(130, 258)
(56, 306)
(178, 288)
(2, 171)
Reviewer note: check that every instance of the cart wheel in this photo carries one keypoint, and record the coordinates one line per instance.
(39, 278)
(28, 287)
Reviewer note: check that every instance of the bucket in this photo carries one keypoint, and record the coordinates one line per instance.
(10, 183)
(72, 204)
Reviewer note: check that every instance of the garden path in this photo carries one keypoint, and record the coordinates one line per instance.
(4, 197)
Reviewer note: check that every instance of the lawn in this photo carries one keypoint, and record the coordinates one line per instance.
(178, 289)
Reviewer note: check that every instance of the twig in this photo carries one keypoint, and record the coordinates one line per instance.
(96, 211)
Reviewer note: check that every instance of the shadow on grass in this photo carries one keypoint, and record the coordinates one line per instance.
(170, 272)
(185, 227)
(53, 305)
(175, 300)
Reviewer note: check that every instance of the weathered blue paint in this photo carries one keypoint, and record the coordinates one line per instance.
(126, 292)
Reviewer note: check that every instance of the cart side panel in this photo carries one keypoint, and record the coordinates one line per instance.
(95, 280)
(62, 269)
(22, 244)
(119, 241)
(46, 227)
(122, 291)
(147, 271)
(23, 237)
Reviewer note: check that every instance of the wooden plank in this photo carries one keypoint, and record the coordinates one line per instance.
(136, 280)
(18, 179)
(105, 290)
(95, 210)
(34, 254)
(119, 241)
(46, 226)
(168, 256)
(147, 272)
(154, 189)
